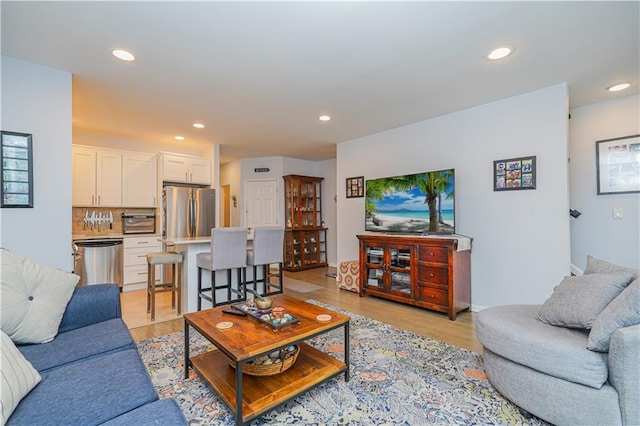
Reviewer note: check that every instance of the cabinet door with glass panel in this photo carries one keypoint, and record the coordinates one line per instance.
(305, 236)
(388, 270)
(303, 201)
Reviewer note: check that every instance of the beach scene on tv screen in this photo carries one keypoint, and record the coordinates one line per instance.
(416, 203)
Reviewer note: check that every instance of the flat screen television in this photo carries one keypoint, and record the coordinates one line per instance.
(421, 203)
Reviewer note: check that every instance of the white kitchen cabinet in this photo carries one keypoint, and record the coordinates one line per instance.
(186, 169)
(200, 171)
(139, 184)
(84, 176)
(135, 261)
(97, 177)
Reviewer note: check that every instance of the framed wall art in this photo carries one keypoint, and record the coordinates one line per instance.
(355, 187)
(16, 170)
(514, 174)
(618, 165)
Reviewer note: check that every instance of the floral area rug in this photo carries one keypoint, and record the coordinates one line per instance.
(397, 378)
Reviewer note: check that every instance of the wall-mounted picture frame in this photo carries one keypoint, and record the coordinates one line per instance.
(355, 187)
(514, 174)
(618, 165)
(16, 170)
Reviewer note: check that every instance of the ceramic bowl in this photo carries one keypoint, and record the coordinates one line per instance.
(263, 304)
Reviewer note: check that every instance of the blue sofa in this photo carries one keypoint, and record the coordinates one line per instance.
(91, 372)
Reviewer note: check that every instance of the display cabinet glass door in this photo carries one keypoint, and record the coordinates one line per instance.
(375, 267)
(305, 248)
(388, 269)
(400, 271)
(303, 202)
(291, 250)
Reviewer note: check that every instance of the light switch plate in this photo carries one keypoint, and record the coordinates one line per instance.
(618, 213)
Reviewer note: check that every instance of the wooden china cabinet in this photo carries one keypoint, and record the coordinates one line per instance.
(305, 237)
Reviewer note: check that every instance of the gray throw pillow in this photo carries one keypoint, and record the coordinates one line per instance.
(599, 266)
(623, 311)
(577, 301)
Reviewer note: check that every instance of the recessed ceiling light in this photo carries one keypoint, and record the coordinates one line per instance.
(618, 87)
(198, 125)
(123, 55)
(500, 52)
(324, 118)
(179, 138)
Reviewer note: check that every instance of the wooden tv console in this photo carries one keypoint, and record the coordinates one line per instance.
(423, 271)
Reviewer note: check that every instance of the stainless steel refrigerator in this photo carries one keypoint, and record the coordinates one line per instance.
(188, 211)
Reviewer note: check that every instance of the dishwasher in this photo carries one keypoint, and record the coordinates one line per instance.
(98, 261)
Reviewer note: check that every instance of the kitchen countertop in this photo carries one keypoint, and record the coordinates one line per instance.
(186, 240)
(111, 236)
(192, 240)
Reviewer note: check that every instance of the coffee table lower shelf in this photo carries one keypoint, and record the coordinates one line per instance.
(263, 393)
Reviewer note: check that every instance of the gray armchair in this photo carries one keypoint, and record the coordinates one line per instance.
(548, 369)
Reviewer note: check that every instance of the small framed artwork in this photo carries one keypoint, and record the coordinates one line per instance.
(514, 173)
(16, 170)
(618, 165)
(355, 187)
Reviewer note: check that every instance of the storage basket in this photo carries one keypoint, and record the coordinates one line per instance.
(287, 361)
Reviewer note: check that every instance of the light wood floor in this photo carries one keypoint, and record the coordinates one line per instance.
(460, 332)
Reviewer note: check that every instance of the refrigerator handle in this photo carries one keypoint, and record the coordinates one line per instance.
(192, 214)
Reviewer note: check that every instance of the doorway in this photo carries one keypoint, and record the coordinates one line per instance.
(225, 221)
(262, 203)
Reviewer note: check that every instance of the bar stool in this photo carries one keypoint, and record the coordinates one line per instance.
(267, 249)
(163, 258)
(228, 252)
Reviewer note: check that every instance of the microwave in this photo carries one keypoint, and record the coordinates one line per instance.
(138, 223)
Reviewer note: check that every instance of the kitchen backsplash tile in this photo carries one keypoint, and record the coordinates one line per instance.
(78, 223)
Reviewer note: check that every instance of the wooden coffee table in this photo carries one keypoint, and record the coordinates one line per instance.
(251, 396)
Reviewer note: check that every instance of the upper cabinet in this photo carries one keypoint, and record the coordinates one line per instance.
(139, 180)
(111, 178)
(97, 177)
(303, 201)
(186, 169)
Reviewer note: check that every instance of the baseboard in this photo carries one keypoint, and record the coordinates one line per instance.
(134, 287)
(477, 308)
(575, 270)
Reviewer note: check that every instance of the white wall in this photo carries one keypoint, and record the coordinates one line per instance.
(237, 173)
(278, 167)
(37, 100)
(327, 169)
(520, 238)
(595, 232)
(294, 166)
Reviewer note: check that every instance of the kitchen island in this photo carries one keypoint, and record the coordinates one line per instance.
(190, 248)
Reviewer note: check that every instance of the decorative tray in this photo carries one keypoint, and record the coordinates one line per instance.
(267, 316)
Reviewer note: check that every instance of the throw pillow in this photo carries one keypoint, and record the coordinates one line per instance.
(18, 377)
(577, 301)
(598, 266)
(623, 311)
(34, 298)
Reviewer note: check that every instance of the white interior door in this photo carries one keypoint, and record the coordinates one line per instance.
(262, 203)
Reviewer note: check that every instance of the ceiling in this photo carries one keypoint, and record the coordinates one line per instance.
(258, 74)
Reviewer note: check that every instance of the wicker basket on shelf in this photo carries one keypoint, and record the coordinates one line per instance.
(287, 359)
